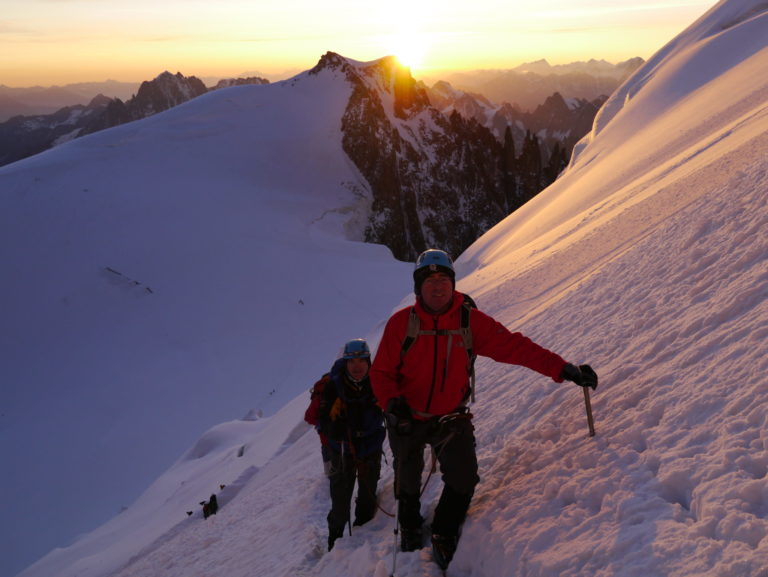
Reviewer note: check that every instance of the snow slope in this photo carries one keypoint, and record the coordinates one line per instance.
(165, 276)
(648, 259)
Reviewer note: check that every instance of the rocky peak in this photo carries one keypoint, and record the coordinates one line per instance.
(227, 82)
(166, 91)
(554, 108)
(433, 179)
(331, 61)
(385, 75)
(99, 101)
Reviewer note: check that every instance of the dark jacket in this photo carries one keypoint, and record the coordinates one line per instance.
(349, 412)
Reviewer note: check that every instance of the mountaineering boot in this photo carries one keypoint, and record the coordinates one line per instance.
(411, 539)
(443, 548)
(365, 510)
(411, 521)
(450, 512)
(333, 534)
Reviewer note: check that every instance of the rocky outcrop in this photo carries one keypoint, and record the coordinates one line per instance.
(434, 179)
(557, 122)
(227, 82)
(162, 93)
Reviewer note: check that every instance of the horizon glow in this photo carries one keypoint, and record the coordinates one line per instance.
(46, 42)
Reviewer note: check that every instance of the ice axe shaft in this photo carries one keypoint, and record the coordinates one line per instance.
(588, 404)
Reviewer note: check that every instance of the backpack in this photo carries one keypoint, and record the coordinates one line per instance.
(414, 330)
(315, 396)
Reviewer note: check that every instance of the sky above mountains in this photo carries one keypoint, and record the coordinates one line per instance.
(47, 42)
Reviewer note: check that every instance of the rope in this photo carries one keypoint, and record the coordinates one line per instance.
(437, 448)
(362, 481)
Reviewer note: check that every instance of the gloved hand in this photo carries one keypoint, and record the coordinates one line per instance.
(338, 410)
(337, 425)
(399, 416)
(583, 375)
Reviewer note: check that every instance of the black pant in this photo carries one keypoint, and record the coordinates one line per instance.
(454, 444)
(344, 470)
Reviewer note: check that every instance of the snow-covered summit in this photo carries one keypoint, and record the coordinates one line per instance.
(434, 180)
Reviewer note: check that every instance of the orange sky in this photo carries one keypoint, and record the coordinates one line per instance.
(45, 42)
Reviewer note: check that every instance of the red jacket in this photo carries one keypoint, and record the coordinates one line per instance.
(430, 384)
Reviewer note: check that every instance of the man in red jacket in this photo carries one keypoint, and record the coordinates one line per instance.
(424, 388)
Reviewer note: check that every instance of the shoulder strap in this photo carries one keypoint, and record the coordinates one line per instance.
(411, 332)
(414, 330)
(466, 335)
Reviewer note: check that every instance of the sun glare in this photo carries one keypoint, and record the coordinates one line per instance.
(409, 46)
(404, 30)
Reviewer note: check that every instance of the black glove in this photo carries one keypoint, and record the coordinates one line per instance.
(333, 421)
(399, 416)
(583, 375)
(337, 430)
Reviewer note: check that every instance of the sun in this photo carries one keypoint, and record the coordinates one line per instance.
(410, 49)
(409, 46)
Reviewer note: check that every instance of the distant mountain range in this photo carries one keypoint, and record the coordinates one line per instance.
(41, 100)
(23, 136)
(38, 100)
(555, 103)
(468, 158)
(529, 85)
(557, 122)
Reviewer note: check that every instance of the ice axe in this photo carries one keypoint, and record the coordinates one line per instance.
(585, 377)
(588, 404)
